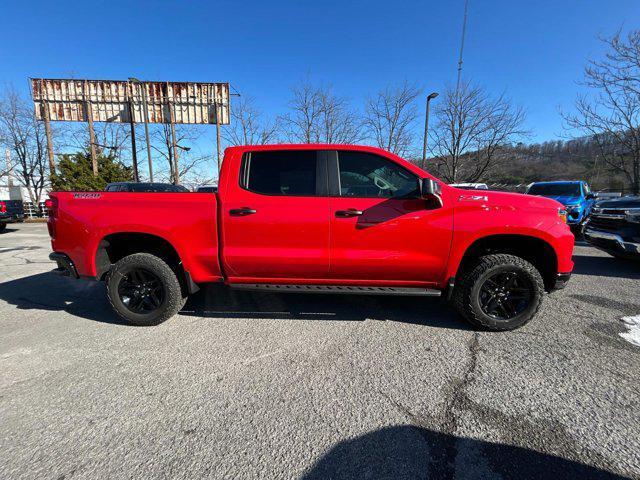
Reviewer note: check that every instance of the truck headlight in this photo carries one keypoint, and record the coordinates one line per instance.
(633, 217)
(562, 213)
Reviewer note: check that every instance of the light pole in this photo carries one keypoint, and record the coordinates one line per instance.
(430, 97)
(146, 123)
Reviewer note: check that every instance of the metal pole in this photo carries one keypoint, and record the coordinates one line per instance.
(426, 134)
(47, 130)
(7, 156)
(132, 124)
(218, 146)
(464, 31)
(430, 97)
(146, 128)
(176, 174)
(92, 135)
(134, 153)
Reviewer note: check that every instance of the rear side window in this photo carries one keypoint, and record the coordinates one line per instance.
(281, 172)
(368, 175)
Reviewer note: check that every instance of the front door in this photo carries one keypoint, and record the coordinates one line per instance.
(380, 229)
(276, 223)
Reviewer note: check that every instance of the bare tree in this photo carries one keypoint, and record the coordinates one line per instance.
(611, 114)
(188, 161)
(319, 116)
(471, 130)
(390, 117)
(26, 138)
(248, 127)
(113, 139)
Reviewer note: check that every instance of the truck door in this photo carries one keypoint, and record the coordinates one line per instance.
(380, 229)
(276, 218)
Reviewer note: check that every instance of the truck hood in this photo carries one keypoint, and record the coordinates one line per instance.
(624, 202)
(507, 199)
(565, 199)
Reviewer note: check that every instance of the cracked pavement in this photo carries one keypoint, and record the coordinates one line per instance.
(258, 385)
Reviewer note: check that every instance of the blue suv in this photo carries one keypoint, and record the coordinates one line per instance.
(576, 196)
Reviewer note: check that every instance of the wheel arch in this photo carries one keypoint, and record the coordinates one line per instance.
(115, 246)
(535, 250)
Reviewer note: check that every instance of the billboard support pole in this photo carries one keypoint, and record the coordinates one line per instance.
(146, 127)
(47, 130)
(218, 134)
(7, 157)
(134, 153)
(174, 146)
(92, 135)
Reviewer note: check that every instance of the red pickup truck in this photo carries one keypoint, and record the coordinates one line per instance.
(317, 218)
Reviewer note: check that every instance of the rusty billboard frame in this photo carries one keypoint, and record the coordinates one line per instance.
(130, 101)
(192, 102)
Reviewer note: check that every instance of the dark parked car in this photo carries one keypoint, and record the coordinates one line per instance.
(11, 211)
(144, 187)
(614, 226)
(207, 189)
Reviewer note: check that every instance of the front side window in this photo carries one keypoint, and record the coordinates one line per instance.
(369, 175)
(282, 173)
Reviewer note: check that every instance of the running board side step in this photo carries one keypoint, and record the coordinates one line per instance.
(357, 290)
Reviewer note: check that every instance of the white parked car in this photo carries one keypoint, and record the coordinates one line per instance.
(471, 186)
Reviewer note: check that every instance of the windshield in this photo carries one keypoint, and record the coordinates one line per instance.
(555, 189)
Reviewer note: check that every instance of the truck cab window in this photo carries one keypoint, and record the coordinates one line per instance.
(368, 175)
(282, 173)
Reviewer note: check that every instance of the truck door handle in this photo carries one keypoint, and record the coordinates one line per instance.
(241, 212)
(352, 212)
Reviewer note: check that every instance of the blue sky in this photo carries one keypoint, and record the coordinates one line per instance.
(532, 50)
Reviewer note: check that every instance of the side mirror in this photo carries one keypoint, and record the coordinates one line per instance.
(590, 196)
(430, 191)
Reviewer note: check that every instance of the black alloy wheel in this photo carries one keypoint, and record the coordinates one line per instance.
(505, 295)
(141, 291)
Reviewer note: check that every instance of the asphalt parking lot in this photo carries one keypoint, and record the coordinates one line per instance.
(256, 385)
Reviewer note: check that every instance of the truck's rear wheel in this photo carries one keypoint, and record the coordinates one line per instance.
(3, 226)
(144, 290)
(499, 292)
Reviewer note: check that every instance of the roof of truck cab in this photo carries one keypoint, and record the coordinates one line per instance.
(557, 182)
(310, 146)
(330, 146)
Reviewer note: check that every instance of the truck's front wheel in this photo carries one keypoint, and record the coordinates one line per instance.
(499, 292)
(144, 290)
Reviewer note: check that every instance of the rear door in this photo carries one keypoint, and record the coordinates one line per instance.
(276, 217)
(380, 229)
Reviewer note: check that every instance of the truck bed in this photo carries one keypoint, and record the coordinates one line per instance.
(80, 221)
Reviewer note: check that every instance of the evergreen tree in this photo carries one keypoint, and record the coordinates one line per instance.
(74, 172)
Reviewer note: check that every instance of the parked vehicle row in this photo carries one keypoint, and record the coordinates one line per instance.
(317, 219)
(614, 226)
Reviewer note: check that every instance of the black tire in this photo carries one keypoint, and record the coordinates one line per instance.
(144, 290)
(478, 298)
(3, 226)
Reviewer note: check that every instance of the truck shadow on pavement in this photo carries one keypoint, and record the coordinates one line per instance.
(218, 301)
(86, 299)
(408, 451)
(50, 292)
(606, 267)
